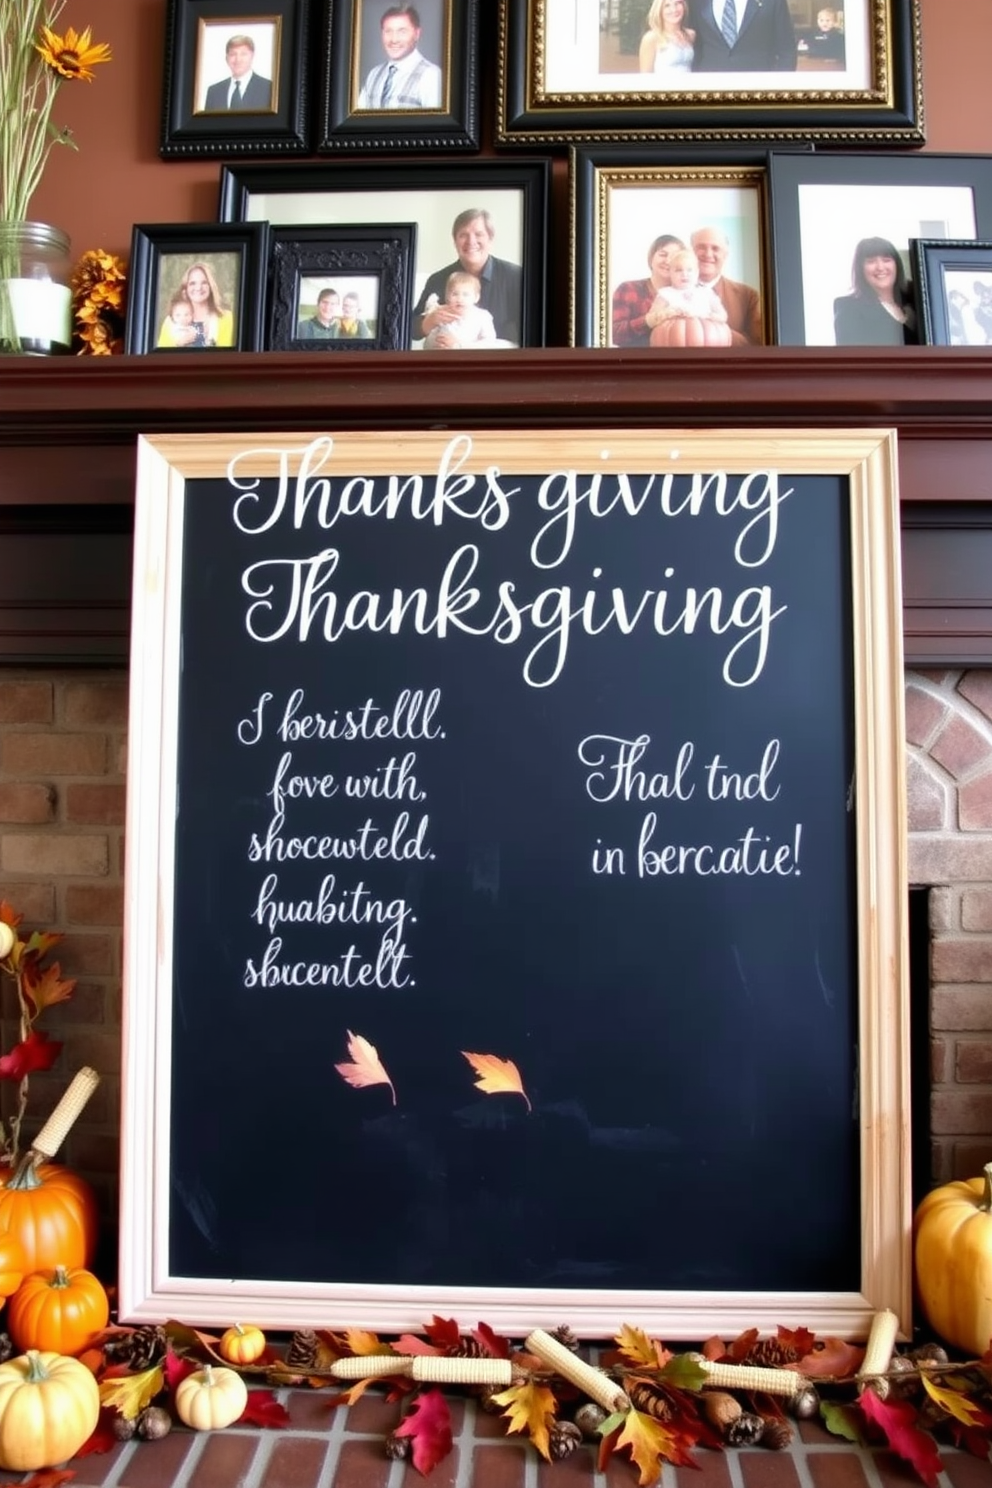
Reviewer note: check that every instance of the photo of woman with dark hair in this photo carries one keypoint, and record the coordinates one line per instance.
(878, 311)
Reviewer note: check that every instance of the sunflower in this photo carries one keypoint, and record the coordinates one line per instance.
(72, 56)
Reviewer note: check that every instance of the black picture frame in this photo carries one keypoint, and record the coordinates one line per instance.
(824, 204)
(429, 193)
(235, 255)
(952, 306)
(449, 39)
(560, 81)
(198, 35)
(375, 262)
(610, 197)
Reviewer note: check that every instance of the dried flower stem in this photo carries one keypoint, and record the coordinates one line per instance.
(27, 92)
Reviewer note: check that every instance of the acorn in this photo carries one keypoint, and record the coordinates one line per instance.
(589, 1417)
(124, 1427)
(154, 1423)
(805, 1404)
(721, 1409)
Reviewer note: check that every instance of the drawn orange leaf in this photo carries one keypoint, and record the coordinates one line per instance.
(496, 1076)
(365, 1066)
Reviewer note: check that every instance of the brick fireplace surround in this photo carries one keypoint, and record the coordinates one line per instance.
(63, 740)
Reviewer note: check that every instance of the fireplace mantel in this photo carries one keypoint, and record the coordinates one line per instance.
(68, 428)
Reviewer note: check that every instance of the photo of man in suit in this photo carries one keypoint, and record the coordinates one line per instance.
(741, 302)
(406, 79)
(245, 90)
(744, 36)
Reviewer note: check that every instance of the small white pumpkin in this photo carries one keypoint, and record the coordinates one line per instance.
(210, 1398)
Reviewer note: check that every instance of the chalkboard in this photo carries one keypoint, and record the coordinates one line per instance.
(516, 905)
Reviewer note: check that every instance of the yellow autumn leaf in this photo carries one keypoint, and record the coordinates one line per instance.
(529, 1408)
(638, 1348)
(953, 1402)
(365, 1067)
(362, 1342)
(648, 1442)
(496, 1076)
(132, 1392)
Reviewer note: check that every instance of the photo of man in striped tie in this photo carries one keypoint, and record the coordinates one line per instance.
(743, 36)
(406, 80)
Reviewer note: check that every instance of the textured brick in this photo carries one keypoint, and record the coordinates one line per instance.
(86, 1005)
(155, 1464)
(711, 1470)
(26, 702)
(100, 1050)
(95, 904)
(576, 1471)
(960, 747)
(34, 902)
(924, 715)
(95, 704)
(28, 802)
(973, 1064)
(500, 1467)
(225, 1461)
(295, 1460)
(944, 905)
(940, 1060)
(81, 856)
(53, 754)
(442, 1476)
(975, 805)
(945, 859)
(95, 805)
(965, 1112)
(96, 1152)
(310, 1410)
(88, 955)
(928, 800)
(968, 1160)
(360, 1464)
(961, 1009)
(836, 1470)
(764, 1469)
(373, 1415)
(976, 907)
(967, 960)
(976, 686)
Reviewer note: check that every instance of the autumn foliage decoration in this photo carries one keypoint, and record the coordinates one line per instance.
(39, 984)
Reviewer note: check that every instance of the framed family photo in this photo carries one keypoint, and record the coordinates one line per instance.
(668, 255)
(486, 219)
(235, 79)
(841, 226)
(681, 70)
(401, 77)
(342, 289)
(953, 282)
(196, 287)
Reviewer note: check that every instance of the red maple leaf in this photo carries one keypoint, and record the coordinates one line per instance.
(491, 1343)
(263, 1409)
(103, 1438)
(444, 1333)
(428, 1426)
(36, 1052)
(410, 1344)
(176, 1369)
(897, 1420)
(50, 1477)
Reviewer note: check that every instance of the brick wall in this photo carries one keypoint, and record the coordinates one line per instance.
(949, 734)
(62, 773)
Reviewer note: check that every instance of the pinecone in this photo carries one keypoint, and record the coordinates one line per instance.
(467, 1347)
(563, 1438)
(771, 1353)
(139, 1349)
(397, 1447)
(485, 1396)
(566, 1337)
(302, 1350)
(777, 1434)
(746, 1431)
(648, 1398)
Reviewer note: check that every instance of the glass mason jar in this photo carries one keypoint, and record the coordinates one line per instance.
(35, 296)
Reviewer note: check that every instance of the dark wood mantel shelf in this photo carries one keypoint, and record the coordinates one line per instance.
(68, 428)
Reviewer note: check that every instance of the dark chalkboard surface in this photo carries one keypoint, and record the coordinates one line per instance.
(519, 871)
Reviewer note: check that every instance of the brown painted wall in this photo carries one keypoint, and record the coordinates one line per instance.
(118, 179)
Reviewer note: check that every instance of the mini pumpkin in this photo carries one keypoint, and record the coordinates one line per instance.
(953, 1261)
(210, 1398)
(52, 1211)
(49, 1406)
(60, 1310)
(242, 1344)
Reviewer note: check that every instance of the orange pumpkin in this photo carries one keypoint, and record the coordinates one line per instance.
(58, 1312)
(242, 1344)
(52, 1212)
(12, 1267)
(690, 330)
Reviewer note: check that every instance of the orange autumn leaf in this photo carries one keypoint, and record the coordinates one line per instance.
(365, 1067)
(637, 1348)
(361, 1341)
(496, 1076)
(529, 1408)
(45, 987)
